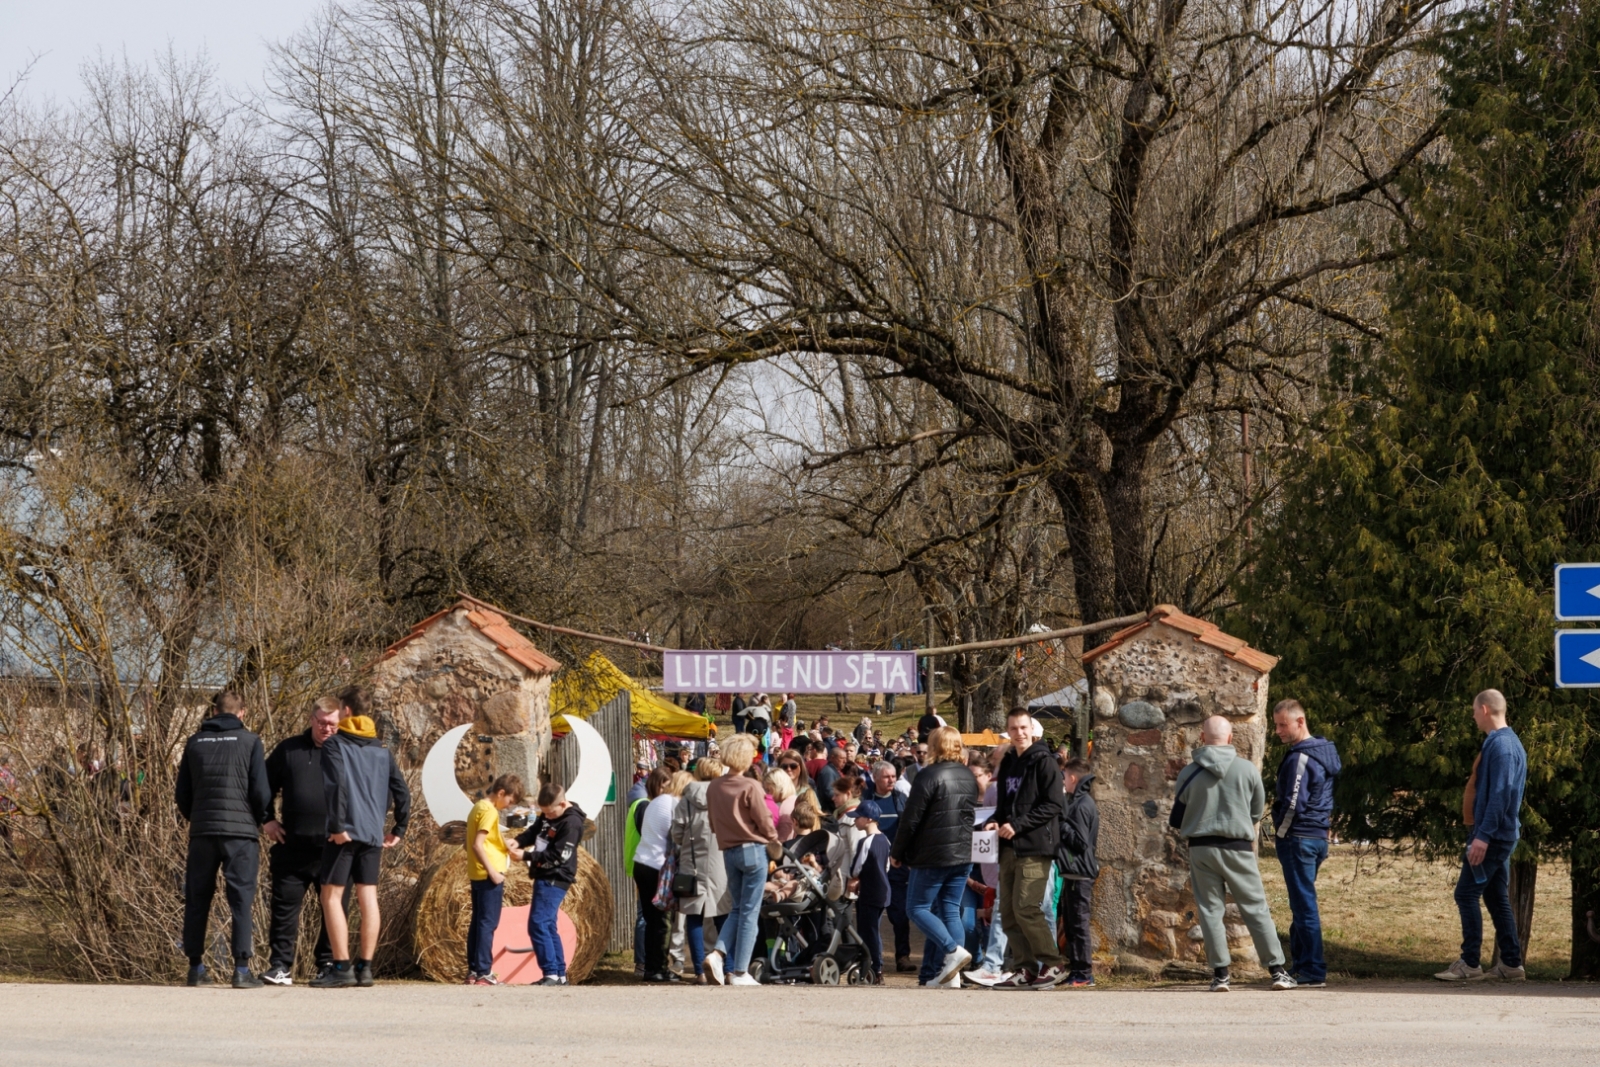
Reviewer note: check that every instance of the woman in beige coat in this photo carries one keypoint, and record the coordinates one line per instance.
(700, 856)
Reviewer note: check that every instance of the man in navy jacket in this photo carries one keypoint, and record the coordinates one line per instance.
(1301, 812)
(1496, 825)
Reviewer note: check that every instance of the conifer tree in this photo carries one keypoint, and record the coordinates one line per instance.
(1410, 561)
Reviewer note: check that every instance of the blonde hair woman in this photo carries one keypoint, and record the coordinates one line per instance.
(780, 787)
(934, 839)
(743, 827)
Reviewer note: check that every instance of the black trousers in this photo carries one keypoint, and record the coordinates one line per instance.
(239, 859)
(868, 920)
(899, 918)
(646, 880)
(1072, 922)
(293, 869)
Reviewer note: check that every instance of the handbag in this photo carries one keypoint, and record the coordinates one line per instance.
(665, 898)
(1179, 806)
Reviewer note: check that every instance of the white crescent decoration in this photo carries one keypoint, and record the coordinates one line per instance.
(446, 802)
(593, 780)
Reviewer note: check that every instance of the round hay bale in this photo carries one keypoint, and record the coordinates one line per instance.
(444, 910)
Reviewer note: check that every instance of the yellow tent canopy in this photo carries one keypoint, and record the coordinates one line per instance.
(585, 689)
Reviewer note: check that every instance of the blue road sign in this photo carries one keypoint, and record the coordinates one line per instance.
(1578, 659)
(1578, 592)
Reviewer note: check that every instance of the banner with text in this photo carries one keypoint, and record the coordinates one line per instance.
(790, 672)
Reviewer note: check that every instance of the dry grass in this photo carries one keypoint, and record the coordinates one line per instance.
(1394, 916)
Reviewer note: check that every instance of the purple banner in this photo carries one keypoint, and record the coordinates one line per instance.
(790, 672)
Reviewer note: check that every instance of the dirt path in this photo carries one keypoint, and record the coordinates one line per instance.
(404, 1024)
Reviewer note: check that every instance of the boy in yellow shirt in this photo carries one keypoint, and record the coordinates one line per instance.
(488, 857)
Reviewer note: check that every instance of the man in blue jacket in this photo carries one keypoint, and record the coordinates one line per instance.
(1496, 825)
(1301, 814)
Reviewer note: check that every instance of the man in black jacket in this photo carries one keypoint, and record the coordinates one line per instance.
(1080, 829)
(295, 769)
(1028, 810)
(222, 792)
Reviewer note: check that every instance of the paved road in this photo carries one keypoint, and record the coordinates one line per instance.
(416, 1024)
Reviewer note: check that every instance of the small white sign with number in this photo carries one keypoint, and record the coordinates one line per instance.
(985, 846)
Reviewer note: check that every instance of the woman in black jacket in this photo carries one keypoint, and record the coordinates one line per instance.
(934, 839)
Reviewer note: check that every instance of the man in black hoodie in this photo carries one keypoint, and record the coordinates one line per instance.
(222, 792)
(1080, 830)
(1028, 810)
(294, 769)
(550, 846)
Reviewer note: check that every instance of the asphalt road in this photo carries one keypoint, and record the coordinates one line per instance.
(406, 1024)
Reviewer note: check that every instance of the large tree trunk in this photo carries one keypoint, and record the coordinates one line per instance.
(1524, 879)
(1585, 899)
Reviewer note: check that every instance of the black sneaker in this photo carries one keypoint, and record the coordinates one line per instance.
(243, 979)
(1282, 979)
(1079, 979)
(552, 979)
(199, 975)
(334, 978)
(277, 976)
(364, 977)
(1219, 980)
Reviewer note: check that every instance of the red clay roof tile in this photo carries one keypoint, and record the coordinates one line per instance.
(493, 626)
(1203, 632)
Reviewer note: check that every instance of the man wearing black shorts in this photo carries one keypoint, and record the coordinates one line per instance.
(360, 782)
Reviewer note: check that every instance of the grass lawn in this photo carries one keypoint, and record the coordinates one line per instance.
(1394, 916)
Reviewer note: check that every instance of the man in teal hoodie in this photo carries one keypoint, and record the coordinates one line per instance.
(1219, 801)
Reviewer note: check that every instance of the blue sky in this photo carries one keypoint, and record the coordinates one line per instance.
(61, 35)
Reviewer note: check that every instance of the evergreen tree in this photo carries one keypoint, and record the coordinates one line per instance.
(1411, 560)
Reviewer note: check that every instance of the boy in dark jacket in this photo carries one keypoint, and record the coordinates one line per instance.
(1080, 830)
(1302, 808)
(1028, 810)
(551, 848)
(869, 881)
(222, 793)
(360, 781)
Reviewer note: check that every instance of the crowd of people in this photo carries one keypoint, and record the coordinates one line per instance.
(990, 854)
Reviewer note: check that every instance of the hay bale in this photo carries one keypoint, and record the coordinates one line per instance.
(444, 910)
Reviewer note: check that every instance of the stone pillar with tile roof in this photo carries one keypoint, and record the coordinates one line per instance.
(1152, 684)
(466, 664)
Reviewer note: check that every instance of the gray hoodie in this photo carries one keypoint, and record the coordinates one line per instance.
(1222, 795)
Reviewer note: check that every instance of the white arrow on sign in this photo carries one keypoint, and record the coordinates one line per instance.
(1594, 591)
(1592, 659)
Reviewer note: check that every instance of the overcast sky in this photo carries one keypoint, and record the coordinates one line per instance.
(61, 35)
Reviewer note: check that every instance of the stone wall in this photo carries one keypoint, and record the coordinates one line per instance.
(1150, 694)
(448, 674)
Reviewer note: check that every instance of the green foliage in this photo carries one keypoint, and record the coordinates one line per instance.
(1410, 563)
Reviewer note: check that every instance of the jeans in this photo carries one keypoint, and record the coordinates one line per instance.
(1496, 893)
(747, 876)
(240, 861)
(694, 927)
(933, 900)
(993, 960)
(543, 933)
(898, 920)
(647, 880)
(1301, 858)
(486, 901)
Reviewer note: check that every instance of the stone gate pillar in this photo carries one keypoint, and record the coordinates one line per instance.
(1151, 686)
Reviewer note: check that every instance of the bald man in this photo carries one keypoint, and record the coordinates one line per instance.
(1486, 868)
(1219, 799)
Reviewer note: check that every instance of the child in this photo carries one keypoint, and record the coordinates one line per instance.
(360, 780)
(487, 860)
(552, 855)
(1080, 829)
(869, 881)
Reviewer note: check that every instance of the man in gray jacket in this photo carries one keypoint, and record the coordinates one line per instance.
(1219, 801)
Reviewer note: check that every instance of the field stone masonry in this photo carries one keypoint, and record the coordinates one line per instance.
(1152, 684)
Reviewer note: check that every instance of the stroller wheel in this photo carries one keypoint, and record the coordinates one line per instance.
(758, 970)
(825, 971)
(854, 975)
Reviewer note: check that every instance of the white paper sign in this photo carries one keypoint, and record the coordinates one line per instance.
(986, 846)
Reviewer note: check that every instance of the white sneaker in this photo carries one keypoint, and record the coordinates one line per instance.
(952, 966)
(1283, 980)
(953, 983)
(1460, 972)
(1499, 970)
(987, 979)
(277, 976)
(713, 968)
(741, 979)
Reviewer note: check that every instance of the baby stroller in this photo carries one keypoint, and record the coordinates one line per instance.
(810, 937)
